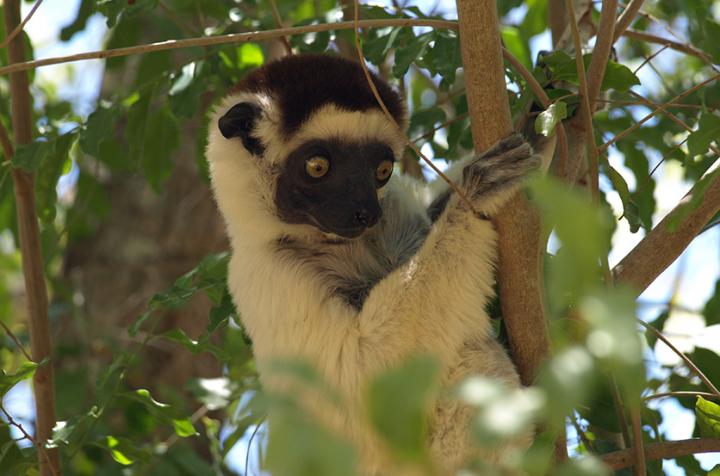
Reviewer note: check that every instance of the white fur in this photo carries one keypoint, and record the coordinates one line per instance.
(432, 303)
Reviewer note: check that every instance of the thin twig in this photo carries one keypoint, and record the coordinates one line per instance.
(278, 22)
(247, 455)
(691, 365)
(16, 340)
(361, 57)
(445, 124)
(681, 394)
(651, 57)
(659, 109)
(41, 449)
(225, 39)
(675, 45)
(21, 26)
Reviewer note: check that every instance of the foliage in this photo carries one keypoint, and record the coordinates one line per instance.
(112, 427)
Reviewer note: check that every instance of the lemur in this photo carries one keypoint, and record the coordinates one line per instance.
(341, 262)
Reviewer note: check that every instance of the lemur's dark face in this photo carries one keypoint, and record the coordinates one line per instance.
(333, 185)
(330, 184)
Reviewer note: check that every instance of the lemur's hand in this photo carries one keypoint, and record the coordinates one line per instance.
(499, 169)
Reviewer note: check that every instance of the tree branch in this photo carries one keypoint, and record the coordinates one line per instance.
(519, 246)
(627, 17)
(675, 45)
(29, 234)
(661, 247)
(223, 40)
(665, 450)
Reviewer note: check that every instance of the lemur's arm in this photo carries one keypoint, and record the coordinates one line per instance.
(435, 300)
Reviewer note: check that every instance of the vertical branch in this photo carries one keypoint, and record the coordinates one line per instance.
(519, 246)
(37, 300)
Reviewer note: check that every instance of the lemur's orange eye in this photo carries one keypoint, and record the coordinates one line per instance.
(317, 166)
(384, 170)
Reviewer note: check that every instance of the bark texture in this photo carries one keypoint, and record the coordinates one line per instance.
(518, 224)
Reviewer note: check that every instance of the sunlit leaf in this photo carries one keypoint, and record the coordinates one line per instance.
(8, 381)
(708, 418)
(551, 117)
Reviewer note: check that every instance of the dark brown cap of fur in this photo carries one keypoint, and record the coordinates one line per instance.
(301, 84)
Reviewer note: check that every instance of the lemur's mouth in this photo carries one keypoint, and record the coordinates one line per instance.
(336, 234)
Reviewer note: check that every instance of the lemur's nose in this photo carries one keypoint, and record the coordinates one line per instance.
(366, 217)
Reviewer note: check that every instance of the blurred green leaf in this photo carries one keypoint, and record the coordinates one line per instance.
(161, 140)
(398, 402)
(100, 125)
(708, 131)
(712, 307)
(297, 447)
(515, 42)
(584, 232)
(28, 157)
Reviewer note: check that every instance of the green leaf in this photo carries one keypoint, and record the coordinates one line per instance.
(708, 131)
(708, 418)
(8, 381)
(298, 447)
(47, 176)
(446, 57)
(535, 21)
(125, 451)
(551, 117)
(406, 55)
(29, 156)
(709, 42)
(195, 346)
(563, 68)
(617, 76)
(184, 427)
(100, 125)
(630, 209)
(712, 307)
(398, 404)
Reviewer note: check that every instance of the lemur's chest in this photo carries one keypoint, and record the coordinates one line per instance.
(350, 269)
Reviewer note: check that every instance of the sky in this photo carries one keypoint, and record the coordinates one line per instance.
(699, 266)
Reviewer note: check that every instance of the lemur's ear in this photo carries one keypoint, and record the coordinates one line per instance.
(240, 121)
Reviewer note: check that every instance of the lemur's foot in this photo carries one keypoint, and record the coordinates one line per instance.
(500, 168)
